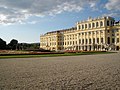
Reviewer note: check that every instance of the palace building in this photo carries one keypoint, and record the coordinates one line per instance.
(96, 34)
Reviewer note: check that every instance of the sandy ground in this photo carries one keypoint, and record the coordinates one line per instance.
(87, 72)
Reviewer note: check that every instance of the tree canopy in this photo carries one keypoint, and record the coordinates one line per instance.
(13, 44)
(2, 44)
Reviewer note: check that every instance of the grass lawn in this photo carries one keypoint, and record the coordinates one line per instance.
(53, 55)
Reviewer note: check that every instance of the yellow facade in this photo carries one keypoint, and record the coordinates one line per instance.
(91, 35)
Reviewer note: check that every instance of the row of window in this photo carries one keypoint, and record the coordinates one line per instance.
(49, 39)
(46, 44)
(110, 23)
(84, 41)
(90, 25)
(113, 40)
(93, 25)
(97, 32)
(85, 33)
(72, 36)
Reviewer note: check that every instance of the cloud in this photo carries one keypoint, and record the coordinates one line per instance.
(113, 5)
(112, 14)
(17, 11)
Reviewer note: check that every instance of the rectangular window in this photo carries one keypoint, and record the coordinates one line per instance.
(97, 40)
(93, 40)
(108, 40)
(79, 41)
(82, 41)
(113, 40)
(93, 24)
(86, 41)
(112, 34)
(107, 23)
(89, 41)
(101, 40)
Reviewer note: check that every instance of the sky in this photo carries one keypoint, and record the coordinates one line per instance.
(26, 20)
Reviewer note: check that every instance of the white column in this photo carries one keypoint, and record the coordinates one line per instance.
(104, 42)
(92, 41)
(78, 41)
(81, 41)
(100, 40)
(84, 40)
(95, 40)
(88, 48)
(95, 37)
(104, 36)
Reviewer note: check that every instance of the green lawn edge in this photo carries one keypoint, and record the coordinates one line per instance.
(53, 55)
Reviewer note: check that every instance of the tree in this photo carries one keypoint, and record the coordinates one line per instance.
(2, 44)
(13, 44)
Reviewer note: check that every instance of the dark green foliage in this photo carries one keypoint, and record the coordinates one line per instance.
(2, 44)
(13, 44)
(27, 46)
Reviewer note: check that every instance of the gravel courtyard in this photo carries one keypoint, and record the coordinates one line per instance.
(85, 72)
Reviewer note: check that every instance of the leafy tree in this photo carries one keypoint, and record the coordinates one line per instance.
(13, 44)
(2, 44)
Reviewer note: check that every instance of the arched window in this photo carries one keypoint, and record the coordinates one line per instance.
(93, 24)
(79, 41)
(97, 24)
(82, 26)
(85, 25)
(89, 25)
(101, 23)
(82, 41)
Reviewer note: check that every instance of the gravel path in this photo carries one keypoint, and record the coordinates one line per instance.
(86, 72)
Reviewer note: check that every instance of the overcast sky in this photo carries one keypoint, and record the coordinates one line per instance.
(25, 20)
